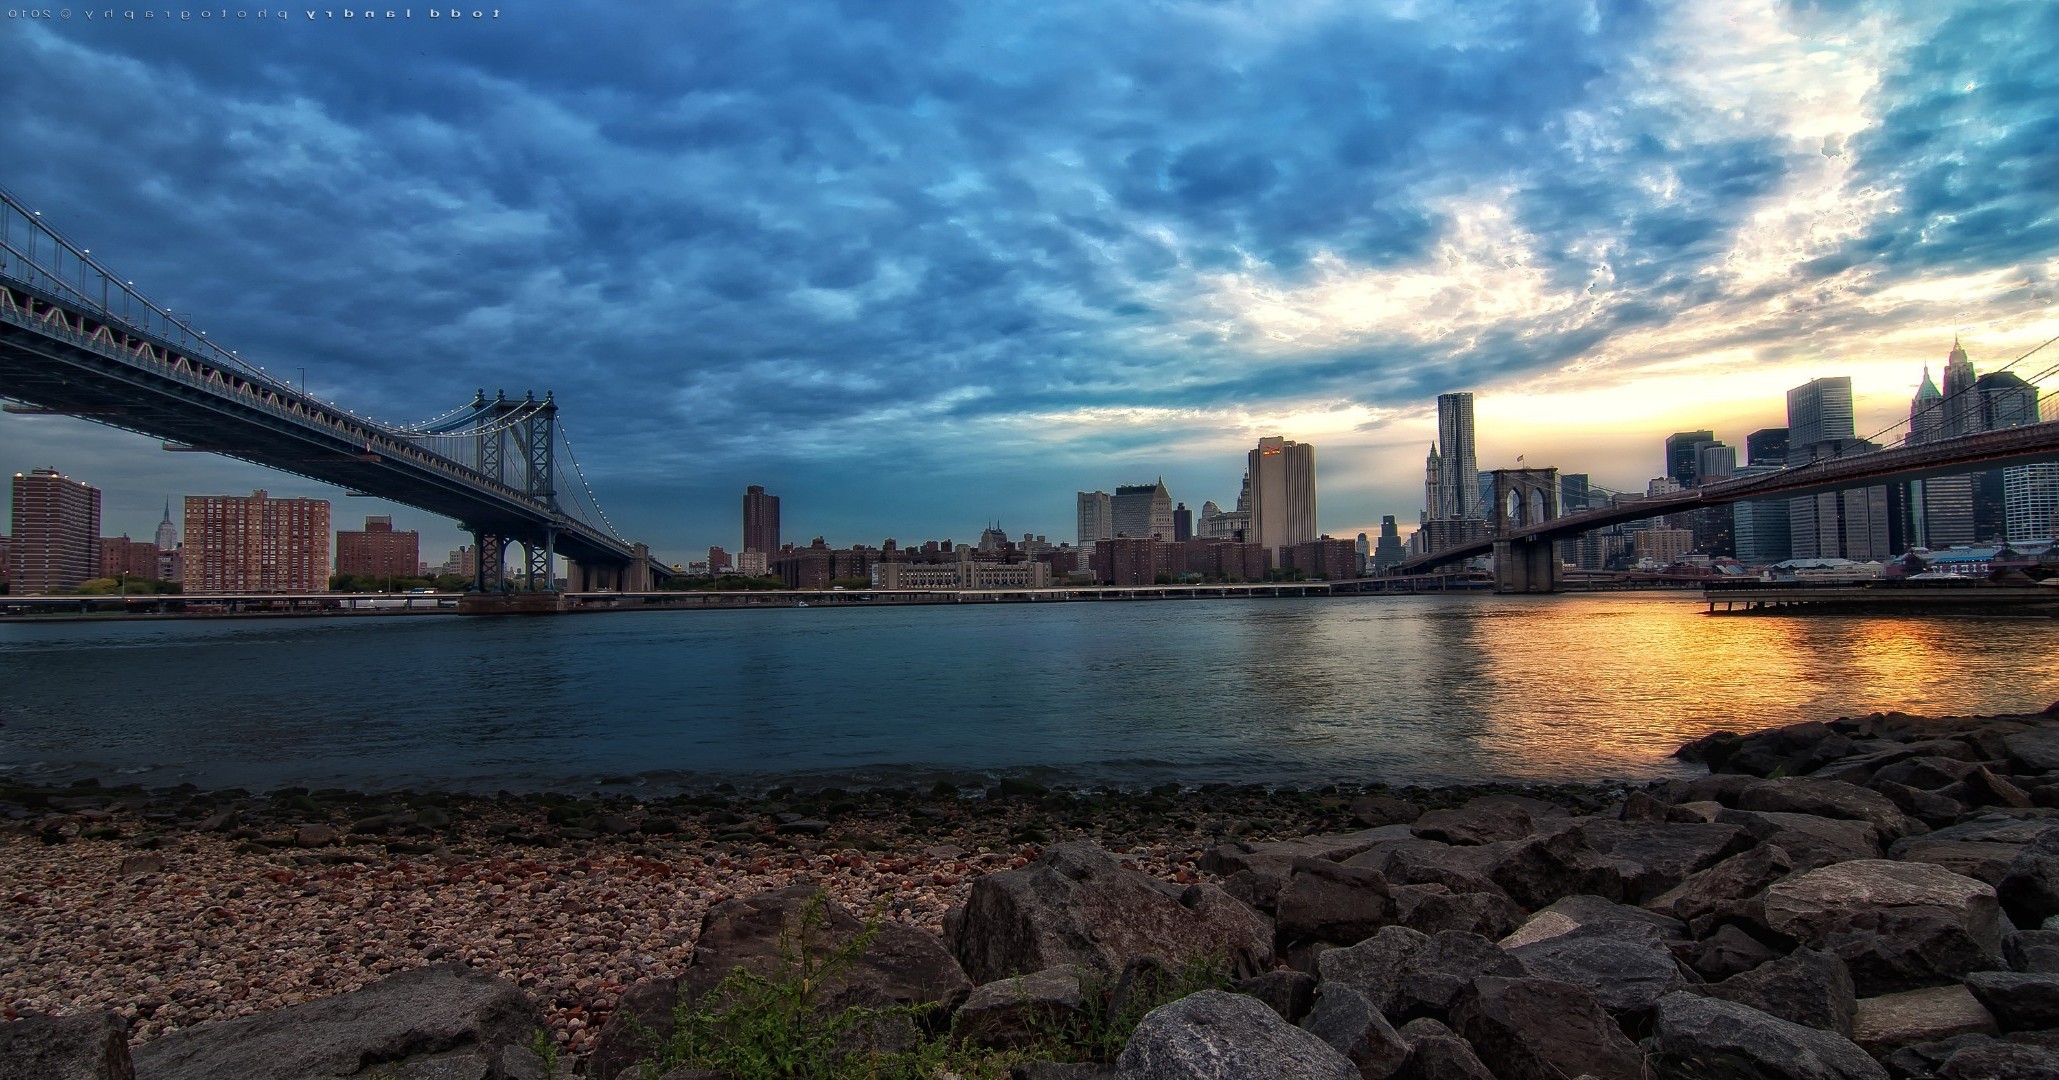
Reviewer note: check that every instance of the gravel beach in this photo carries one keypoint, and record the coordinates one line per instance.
(173, 908)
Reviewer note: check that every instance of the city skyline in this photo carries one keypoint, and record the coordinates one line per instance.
(939, 253)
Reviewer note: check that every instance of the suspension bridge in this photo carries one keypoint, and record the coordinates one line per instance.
(76, 339)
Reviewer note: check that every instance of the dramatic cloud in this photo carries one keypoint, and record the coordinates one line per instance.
(918, 266)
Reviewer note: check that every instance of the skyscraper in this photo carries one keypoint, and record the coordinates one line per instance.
(167, 533)
(1096, 517)
(1182, 522)
(761, 520)
(1458, 466)
(1142, 510)
(1961, 405)
(1387, 551)
(1282, 494)
(56, 532)
(1766, 446)
(1818, 411)
(256, 544)
(1940, 508)
(1681, 461)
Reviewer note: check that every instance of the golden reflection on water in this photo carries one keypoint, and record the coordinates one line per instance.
(1575, 679)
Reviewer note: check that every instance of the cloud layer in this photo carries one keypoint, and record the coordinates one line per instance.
(918, 266)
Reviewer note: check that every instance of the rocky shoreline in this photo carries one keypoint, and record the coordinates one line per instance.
(1859, 898)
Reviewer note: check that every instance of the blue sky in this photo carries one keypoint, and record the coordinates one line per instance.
(915, 266)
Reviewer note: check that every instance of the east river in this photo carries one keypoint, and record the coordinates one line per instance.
(1293, 691)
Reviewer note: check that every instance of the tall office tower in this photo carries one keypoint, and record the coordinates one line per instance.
(1939, 508)
(761, 520)
(56, 532)
(1759, 528)
(1282, 494)
(1961, 405)
(1387, 551)
(1182, 522)
(377, 551)
(167, 533)
(1433, 477)
(2027, 491)
(256, 544)
(1766, 446)
(1681, 448)
(1096, 517)
(1714, 461)
(1142, 510)
(1459, 468)
(1818, 411)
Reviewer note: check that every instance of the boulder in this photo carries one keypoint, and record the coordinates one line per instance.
(1326, 901)
(1918, 1016)
(428, 1012)
(1721, 887)
(1808, 987)
(1435, 908)
(1574, 912)
(1435, 1052)
(82, 1046)
(1652, 857)
(1016, 1011)
(2019, 1001)
(2032, 950)
(1702, 1038)
(1987, 862)
(1981, 787)
(1896, 925)
(1374, 811)
(1536, 871)
(1928, 773)
(1077, 905)
(1289, 993)
(1229, 858)
(2030, 889)
(2036, 750)
(1406, 974)
(1541, 1029)
(1484, 820)
(1627, 968)
(1825, 798)
(1809, 840)
(1929, 807)
(901, 967)
(1428, 862)
(1729, 952)
(1354, 1027)
(1217, 1036)
(1991, 1060)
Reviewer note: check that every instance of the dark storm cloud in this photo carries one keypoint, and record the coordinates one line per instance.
(739, 240)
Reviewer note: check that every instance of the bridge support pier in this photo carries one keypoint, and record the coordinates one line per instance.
(1527, 566)
(490, 557)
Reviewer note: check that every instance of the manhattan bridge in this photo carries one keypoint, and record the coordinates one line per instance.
(78, 340)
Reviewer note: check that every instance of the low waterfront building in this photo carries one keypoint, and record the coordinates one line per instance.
(962, 574)
(377, 551)
(121, 556)
(1324, 559)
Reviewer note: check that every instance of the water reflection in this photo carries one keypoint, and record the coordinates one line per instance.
(1416, 689)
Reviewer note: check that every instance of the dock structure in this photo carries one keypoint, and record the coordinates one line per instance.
(1885, 596)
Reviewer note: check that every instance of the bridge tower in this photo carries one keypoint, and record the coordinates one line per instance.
(1522, 498)
(528, 428)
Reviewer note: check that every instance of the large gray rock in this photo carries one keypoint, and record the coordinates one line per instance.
(1436, 1052)
(1326, 901)
(2018, 1000)
(1575, 912)
(1810, 841)
(82, 1046)
(1077, 905)
(1016, 1011)
(1435, 908)
(1826, 798)
(1919, 1016)
(1485, 820)
(1289, 993)
(2032, 950)
(1989, 1060)
(2036, 750)
(2030, 889)
(1627, 968)
(1426, 862)
(1896, 925)
(1811, 988)
(1542, 1029)
(1700, 1038)
(427, 1012)
(1233, 856)
(901, 967)
(1729, 952)
(1406, 974)
(1541, 869)
(1722, 887)
(1652, 857)
(1216, 1036)
(1354, 1027)
(1982, 861)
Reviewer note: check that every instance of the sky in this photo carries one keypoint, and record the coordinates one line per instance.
(915, 267)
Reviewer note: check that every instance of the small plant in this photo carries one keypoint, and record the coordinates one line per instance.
(546, 1050)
